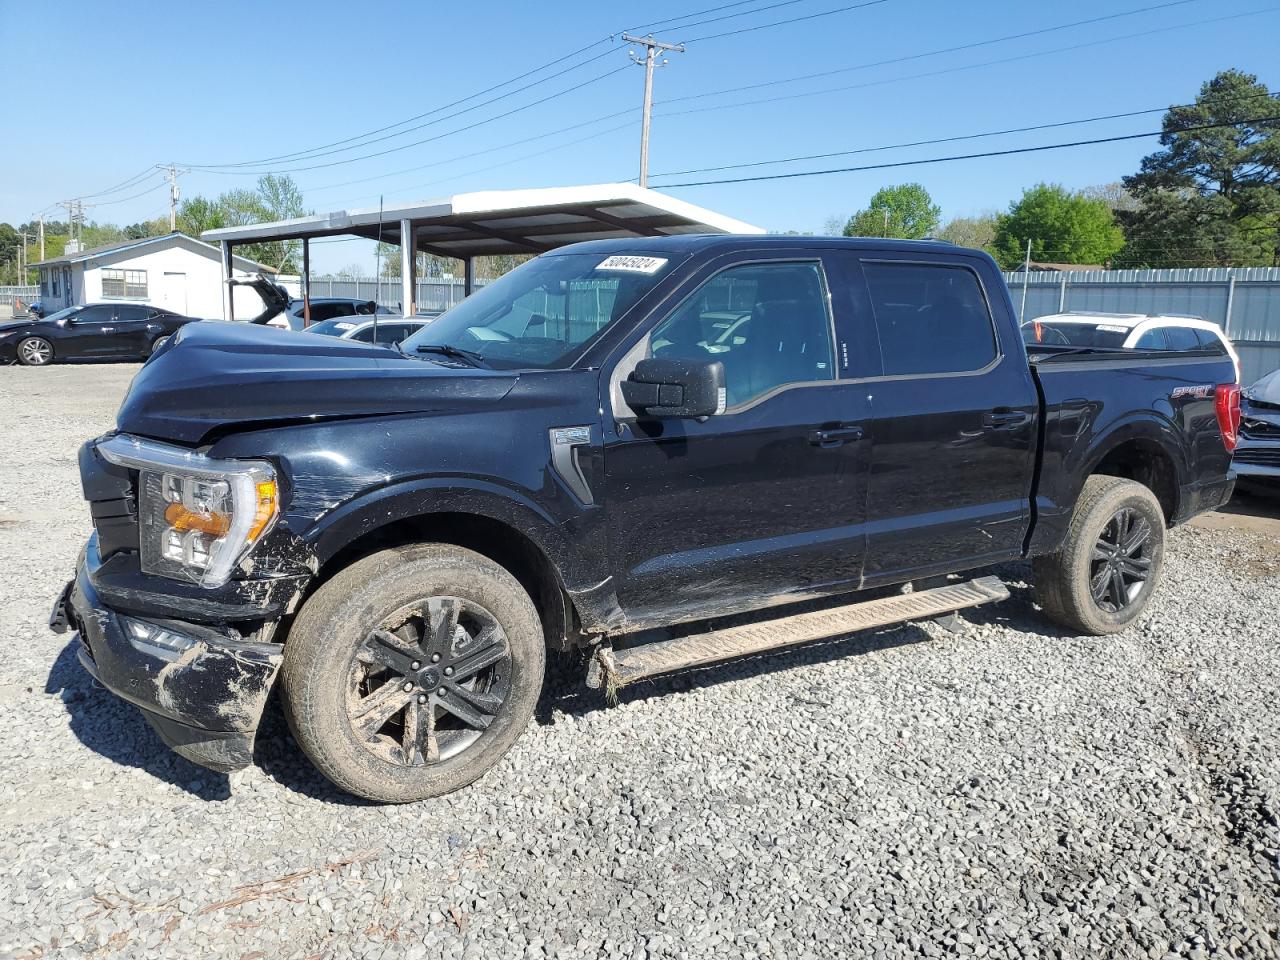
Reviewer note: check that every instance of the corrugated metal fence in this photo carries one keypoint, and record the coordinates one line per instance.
(1244, 301)
(432, 294)
(25, 294)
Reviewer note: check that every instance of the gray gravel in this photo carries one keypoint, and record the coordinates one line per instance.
(1006, 791)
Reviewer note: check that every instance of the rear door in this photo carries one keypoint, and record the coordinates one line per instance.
(765, 501)
(129, 331)
(953, 421)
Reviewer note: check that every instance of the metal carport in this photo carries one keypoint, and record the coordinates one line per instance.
(469, 225)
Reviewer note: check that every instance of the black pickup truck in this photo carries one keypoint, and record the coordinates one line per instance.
(616, 436)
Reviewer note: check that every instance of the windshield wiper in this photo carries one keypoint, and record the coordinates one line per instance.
(457, 353)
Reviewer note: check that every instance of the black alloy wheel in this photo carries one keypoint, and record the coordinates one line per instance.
(428, 681)
(1121, 566)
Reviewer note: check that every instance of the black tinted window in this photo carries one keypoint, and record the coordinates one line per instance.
(932, 318)
(767, 323)
(128, 314)
(1182, 338)
(393, 332)
(1153, 339)
(1210, 341)
(99, 314)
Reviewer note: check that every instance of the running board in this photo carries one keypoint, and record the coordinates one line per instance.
(613, 669)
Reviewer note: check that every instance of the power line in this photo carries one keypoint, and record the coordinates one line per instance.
(441, 136)
(970, 66)
(931, 53)
(325, 149)
(670, 21)
(965, 156)
(952, 139)
(476, 153)
(675, 22)
(780, 23)
(316, 152)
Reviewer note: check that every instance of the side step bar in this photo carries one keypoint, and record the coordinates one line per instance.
(614, 669)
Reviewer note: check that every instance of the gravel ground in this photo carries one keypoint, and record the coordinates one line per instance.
(1003, 791)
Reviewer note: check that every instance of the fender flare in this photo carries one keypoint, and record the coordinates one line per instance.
(1147, 425)
(420, 498)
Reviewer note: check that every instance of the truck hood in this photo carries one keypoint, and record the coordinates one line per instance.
(215, 376)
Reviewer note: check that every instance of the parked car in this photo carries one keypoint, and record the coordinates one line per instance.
(617, 435)
(326, 308)
(1257, 458)
(122, 330)
(1137, 331)
(389, 332)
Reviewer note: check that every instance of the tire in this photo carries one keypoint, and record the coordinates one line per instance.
(370, 630)
(34, 352)
(157, 343)
(1067, 581)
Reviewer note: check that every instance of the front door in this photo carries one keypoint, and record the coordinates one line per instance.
(764, 502)
(953, 421)
(173, 291)
(93, 328)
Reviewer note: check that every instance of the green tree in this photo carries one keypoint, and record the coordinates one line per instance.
(1064, 227)
(1211, 195)
(198, 214)
(977, 232)
(276, 198)
(9, 244)
(905, 211)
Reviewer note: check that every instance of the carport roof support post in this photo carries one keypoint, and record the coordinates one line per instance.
(228, 302)
(408, 263)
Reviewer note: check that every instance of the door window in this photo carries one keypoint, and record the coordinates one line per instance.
(768, 323)
(130, 314)
(98, 314)
(931, 317)
(392, 333)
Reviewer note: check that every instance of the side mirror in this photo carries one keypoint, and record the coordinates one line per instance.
(675, 388)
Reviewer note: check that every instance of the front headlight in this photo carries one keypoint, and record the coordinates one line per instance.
(197, 516)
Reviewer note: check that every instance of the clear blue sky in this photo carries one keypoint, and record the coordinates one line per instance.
(106, 89)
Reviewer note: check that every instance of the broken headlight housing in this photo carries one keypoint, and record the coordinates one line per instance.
(197, 516)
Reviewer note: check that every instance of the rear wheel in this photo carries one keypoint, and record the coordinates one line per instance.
(1103, 576)
(157, 343)
(34, 351)
(413, 671)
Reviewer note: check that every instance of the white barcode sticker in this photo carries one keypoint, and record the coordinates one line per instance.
(629, 264)
(1112, 328)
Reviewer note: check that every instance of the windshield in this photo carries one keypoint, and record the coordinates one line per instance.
(1074, 334)
(63, 313)
(541, 314)
(334, 328)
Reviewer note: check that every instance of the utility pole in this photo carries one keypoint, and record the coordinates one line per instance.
(41, 234)
(171, 173)
(649, 61)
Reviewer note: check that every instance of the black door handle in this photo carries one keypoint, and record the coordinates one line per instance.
(834, 436)
(1004, 419)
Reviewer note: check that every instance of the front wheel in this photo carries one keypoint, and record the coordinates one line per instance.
(1103, 576)
(413, 671)
(35, 352)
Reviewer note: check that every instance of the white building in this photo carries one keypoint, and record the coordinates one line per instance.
(174, 271)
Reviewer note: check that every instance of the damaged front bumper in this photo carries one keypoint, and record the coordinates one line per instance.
(202, 690)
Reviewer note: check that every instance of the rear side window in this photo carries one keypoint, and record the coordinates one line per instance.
(1153, 339)
(932, 318)
(1182, 338)
(1211, 341)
